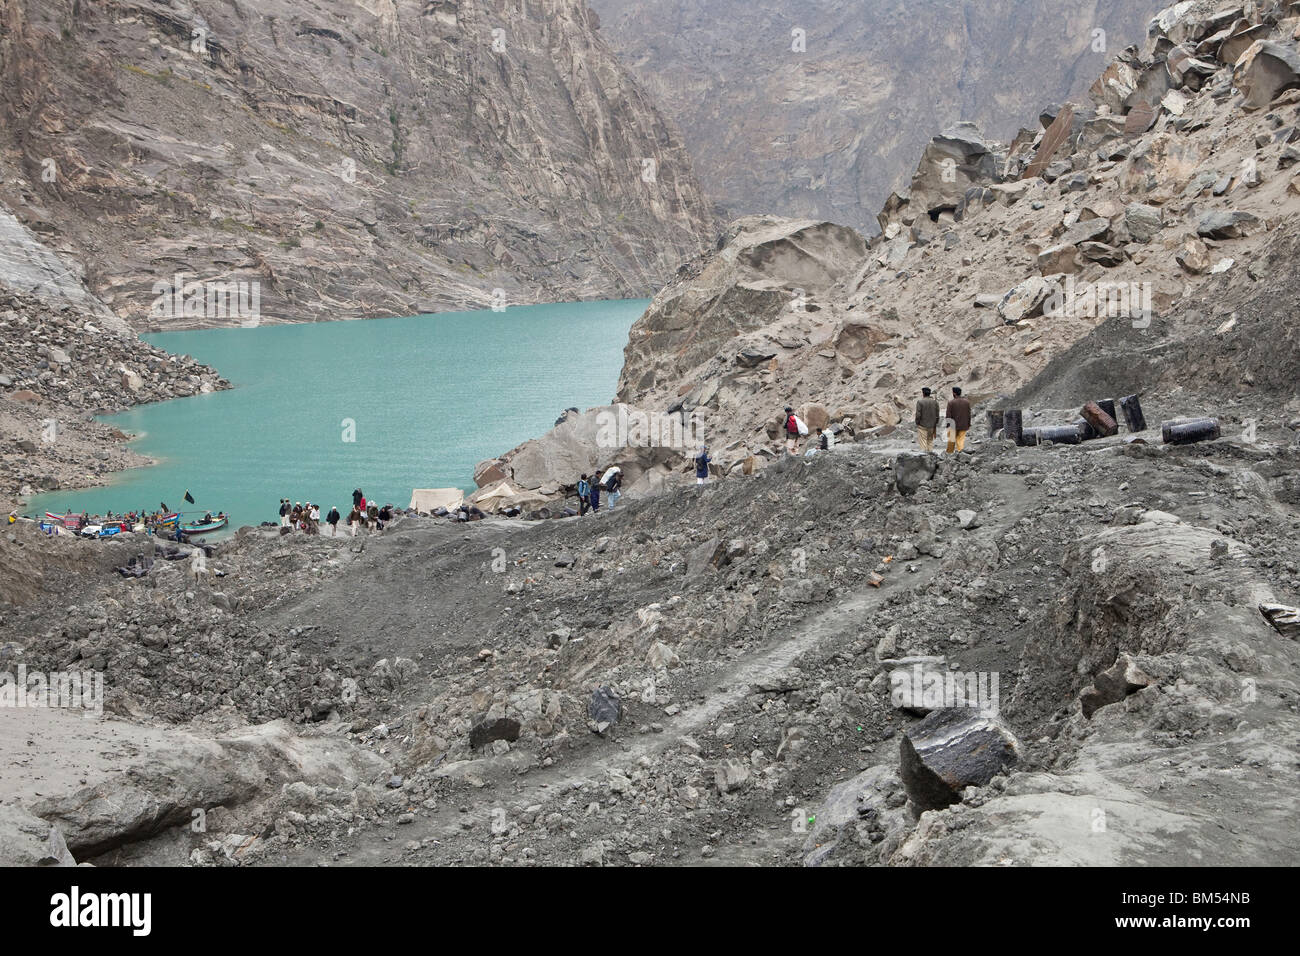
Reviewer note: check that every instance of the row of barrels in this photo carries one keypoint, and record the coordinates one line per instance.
(1099, 419)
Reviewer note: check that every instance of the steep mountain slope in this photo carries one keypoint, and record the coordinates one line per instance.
(825, 133)
(354, 158)
(1084, 255)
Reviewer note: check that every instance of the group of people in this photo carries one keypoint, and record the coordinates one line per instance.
(307, 518)
(956, 417)
(590, 487)
(796, 430)
(956, 414)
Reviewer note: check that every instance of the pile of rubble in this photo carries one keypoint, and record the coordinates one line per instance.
(58, 369)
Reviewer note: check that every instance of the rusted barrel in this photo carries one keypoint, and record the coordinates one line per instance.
(1133, 417)
(995, 423)
(1107, 405)
(1103, 424)
(1188, 431)
(1013, 425)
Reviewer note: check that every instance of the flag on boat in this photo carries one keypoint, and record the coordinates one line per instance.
(189, 497)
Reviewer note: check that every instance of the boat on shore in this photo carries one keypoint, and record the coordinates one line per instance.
(205, 527)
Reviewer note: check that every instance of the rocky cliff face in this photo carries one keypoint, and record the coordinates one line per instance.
(381, 157)
(815, 108)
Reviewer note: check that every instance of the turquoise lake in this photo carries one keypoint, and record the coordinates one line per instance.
(430, 396)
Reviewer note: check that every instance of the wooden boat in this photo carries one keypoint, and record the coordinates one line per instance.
(199, 527)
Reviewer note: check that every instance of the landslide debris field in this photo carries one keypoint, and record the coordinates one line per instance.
(765, 670)
(422, 695)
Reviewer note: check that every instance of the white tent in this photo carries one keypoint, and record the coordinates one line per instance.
(430, 499)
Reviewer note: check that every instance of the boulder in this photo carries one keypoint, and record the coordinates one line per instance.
(26, 840)
(1094, 227)
(730, 776)
(661, 655)
(1186, 69)
(1190, 21)
(954, 161)
(1237, 40)
(1102, 254)
(1059, 260)
(709, 554)
(950, 750)
(489, 472)
(1117, 82)
(913, 469)
(1112, 685)
(1143, 221)
(1285, 620)
(1025, 300)
(1193, 255)
(604, 709)
(1232, 224)
(752, 357)
(748, 282)
(816, 417)
(1265, 70)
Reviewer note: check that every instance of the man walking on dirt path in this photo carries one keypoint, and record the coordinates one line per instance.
(958, 412)
(792, 431)
(332, 519)
(702, 462)
(584, 494)
(927, 420)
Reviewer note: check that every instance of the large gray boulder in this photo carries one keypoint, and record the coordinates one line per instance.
(954, 161)
(26, 840)
(1143, 221)
(950, 750)
(912, 470)
(1231, 224)
(1264, 71)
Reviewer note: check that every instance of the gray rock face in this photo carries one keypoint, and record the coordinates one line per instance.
(950, 750)
(27, 265)
(769, 129)
(355, 159)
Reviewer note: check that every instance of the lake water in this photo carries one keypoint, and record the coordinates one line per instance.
(424, 399)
